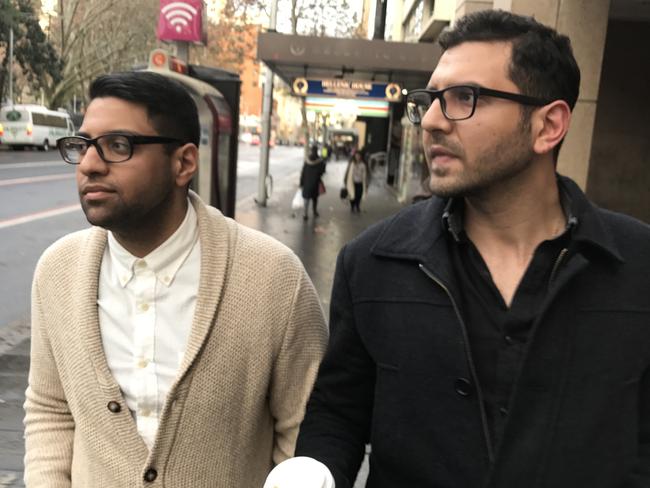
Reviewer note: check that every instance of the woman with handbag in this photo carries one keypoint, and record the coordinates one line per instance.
(310, 180)
(356, 181)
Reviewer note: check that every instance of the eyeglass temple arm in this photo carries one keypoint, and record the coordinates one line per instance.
(516, 97)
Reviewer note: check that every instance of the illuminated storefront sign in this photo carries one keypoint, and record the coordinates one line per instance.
(350, 107)
(360, 89)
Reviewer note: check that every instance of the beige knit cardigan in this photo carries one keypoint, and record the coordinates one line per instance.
(255, 344)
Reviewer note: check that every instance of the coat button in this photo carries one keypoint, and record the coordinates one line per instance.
(503, 411)
(509, 340)
(463, 387)
(150, 475)
(114, 407)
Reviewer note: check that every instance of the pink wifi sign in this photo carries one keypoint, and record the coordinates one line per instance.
(180, 20)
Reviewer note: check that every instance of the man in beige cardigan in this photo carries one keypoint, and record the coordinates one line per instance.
(170, 345)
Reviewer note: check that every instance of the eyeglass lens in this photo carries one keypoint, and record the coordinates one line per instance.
(457, 102)
(113, 148)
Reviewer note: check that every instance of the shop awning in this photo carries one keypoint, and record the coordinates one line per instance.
(292, 56)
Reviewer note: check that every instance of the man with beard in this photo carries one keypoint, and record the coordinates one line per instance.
(170, 345)
(497, 334)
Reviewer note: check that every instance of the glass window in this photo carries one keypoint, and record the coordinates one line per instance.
(10, 115)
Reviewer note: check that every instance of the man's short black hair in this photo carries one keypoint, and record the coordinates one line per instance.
(170, 108)
(542, 62)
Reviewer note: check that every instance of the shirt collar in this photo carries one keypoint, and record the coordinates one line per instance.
(165, 260)
(452, 217)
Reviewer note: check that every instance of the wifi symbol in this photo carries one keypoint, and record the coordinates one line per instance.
(179, 14)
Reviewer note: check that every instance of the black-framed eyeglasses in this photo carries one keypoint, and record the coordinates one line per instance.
(112, 148)
(458, 102)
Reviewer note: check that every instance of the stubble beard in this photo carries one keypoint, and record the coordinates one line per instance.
(508, 158)
(129, 218)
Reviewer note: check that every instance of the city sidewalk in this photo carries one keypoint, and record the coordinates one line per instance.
(318, 241)
(315, 241)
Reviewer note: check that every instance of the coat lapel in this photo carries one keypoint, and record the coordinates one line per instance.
(418, 234)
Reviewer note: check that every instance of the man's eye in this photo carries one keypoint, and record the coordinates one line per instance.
(76, 146)
(118, 145)
(464, 96)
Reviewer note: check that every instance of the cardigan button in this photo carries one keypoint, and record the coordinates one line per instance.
(463, 387)
(150, 475)
(114, 407)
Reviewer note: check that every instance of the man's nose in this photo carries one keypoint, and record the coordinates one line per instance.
(434, 118)
(92, 163)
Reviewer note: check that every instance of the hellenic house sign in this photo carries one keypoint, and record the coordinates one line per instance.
(390, 92)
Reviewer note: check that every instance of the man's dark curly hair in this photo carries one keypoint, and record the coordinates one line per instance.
(169, 106)
(542, 62)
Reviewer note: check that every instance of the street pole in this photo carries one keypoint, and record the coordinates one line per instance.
(267, 109)
(183, 51)
(11, 65)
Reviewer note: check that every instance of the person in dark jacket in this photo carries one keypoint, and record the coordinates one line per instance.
(496, 335)
(310, 180)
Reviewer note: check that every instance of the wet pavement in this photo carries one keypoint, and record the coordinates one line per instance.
(315, 241)
(318, 241)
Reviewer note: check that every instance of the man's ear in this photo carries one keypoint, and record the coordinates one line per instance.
(186, 163)
(550, 124)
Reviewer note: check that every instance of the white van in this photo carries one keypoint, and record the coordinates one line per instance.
(33, 125)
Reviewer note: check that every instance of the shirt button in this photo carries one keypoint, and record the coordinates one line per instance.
(144, 307)
(114, 407)
(509, 340)
(143, 363)
(503, 411)
(167, 279)
(150, 475)
(141, 264)
(463, 387)
(145, 412)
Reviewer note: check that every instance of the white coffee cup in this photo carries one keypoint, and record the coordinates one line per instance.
(300, 472)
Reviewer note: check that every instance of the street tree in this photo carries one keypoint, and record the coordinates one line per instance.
(40, 65)
(320, 18)
(99, 36)
(232, 37)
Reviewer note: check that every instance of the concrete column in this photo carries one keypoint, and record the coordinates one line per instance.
(585, 22)
(464, 7)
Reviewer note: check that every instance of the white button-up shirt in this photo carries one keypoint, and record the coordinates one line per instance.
(146, 307)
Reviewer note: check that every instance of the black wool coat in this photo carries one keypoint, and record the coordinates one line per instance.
(310, 177)
(398, 373)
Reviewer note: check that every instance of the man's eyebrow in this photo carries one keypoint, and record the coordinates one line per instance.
(116, 131)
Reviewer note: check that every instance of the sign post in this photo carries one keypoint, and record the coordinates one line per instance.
(267, 108)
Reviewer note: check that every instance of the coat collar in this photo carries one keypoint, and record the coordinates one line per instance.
(419, 232)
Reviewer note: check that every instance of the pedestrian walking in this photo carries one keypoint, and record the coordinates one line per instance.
(495, 335)
(356, 181)
(170, 345)
(310, 181)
